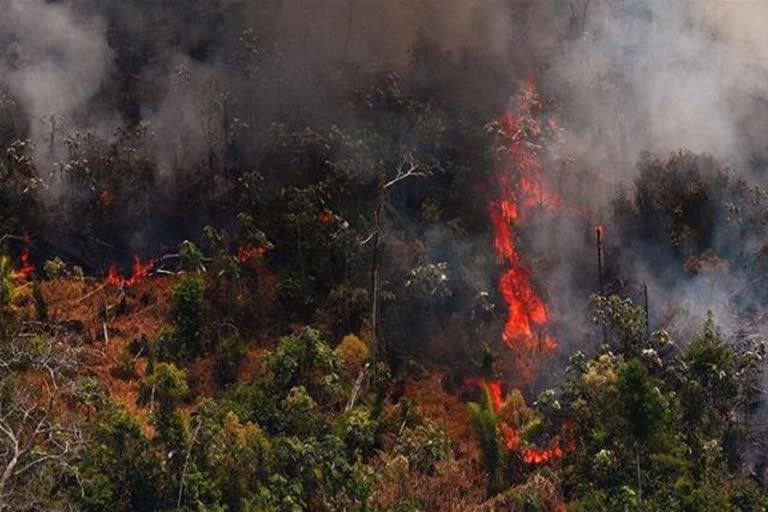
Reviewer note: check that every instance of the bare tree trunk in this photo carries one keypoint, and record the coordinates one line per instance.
(301, 253)
(375, 281)
(639, 476)
(348, 34)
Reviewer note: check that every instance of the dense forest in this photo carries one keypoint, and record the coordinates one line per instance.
(440, 255)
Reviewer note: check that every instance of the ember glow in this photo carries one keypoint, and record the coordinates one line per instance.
(324, 217)
(139, 272)
(510, 435)
(520, 189)
(248, 253)
(26, 269)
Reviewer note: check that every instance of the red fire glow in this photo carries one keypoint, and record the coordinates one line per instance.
(26, 268)
(249, 253)
(139, 272)
(520, 188)
(510, 435)
(324, 217)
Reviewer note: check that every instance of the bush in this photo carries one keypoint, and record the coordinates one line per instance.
(424, 445)
(187, 306)
(353, 353)
(485, 424)
(7, 292)
(183, 341)
(41, 306)
(168, 385)
(126, 368)
(305, 360)
(357, 428)
(190, 257)
(301, 412)
(54, 268)
(227, 358)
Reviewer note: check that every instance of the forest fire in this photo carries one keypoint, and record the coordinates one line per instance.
(520, 188)
(510, 434)
(249, 253)
(139, 272)
(26, 269)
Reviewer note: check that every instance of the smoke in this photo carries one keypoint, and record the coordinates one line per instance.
(55, 61)
(625, 76)
(662, 75)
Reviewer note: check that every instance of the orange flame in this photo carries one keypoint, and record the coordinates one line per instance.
(26, 268)
(510, 435)
(139, 272)
(324, 217)
(249, 253)
(520, 189)
(494, 390)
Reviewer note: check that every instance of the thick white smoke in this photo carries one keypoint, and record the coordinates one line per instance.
(55, 61)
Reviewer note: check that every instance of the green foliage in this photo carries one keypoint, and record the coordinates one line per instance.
(183, 341)
(41, 306)
(236, 456)
(228, 355)
(118, 471)
(357, 428)
(712, 367)
(306, 360)
(642, 406)
(301, 412)
(484, 422)
(424, 445)
(7, 289)
(190, 257)
(187, 309)
(166, 387)
(625, 320)
(747, 496)
(55, 268)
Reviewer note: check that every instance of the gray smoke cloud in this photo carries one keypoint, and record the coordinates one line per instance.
(626, 75)
(55, 59)
(661, 75)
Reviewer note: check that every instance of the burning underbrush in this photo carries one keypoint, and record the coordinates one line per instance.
(315, 341)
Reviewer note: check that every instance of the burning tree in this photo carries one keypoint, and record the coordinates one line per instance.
(521, 187)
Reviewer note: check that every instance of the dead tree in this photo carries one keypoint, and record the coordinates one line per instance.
(407, 168)
(33, 440)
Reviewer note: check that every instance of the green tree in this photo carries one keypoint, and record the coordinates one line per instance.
(712, 367)
(167, 386)
(642, 409)
(484, 422)
(118, 471)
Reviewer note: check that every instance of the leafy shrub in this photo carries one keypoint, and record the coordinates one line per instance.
(301, 411)
(166, 387)
(182, 341)
(54, 268)
(126, 367)
(353, 353)
(424, 445)
(6, 283)
(190, 257)
(187, 309)
(346, 306)
(305, 360)
(484, 422)
(227, 358)
(41, 305)
(357, 428)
